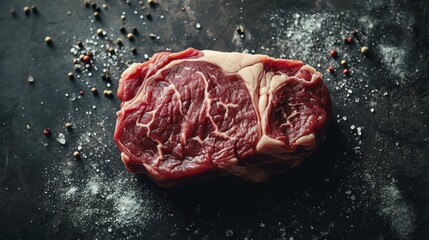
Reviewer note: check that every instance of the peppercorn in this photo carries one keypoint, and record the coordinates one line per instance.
(123, 18)
(348, 40)
(183, 9)
(48, 40)
(355, 33)
(134, 30)
(331, 69)
(111, 50)
(123, 29)
(334, 53)
(79, 44)
(94, 90)
(87, 66)
(86, 3)
(96, 15)
(76, 154)
(27, 10)
(152, 35)
(34, 9)
(97, 9)
(104, 6)
(100, 32)
(86, 58)
(93, 6)
(81, 92)
(89, 53)
(152, 3)
(68, 126)
(70, 75)
(134, 51)
(130, 36)
(119, 41)
(346, 72)
(75, 61)
(47, 132)
(343, 62)
(108, 93)
(240, 29)
(149, 16)
(364, 50)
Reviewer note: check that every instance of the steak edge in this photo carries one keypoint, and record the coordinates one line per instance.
(196, 114)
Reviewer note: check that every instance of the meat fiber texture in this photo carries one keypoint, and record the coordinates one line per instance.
(197, 114)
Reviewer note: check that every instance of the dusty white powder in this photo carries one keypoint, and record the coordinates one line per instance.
(397, 210)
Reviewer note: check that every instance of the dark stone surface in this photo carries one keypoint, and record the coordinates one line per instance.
(372, 185)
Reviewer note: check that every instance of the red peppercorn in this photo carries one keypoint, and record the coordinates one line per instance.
(47, 131)
(349, 40)
(334, 53)
(346, 72)
(81, 92)
(330, 69)
(86, 58)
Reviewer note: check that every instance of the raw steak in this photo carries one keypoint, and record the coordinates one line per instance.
(195, 114)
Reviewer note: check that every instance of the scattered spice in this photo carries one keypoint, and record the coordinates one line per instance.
(134, 30)
(130, 36)
(81, 92)
(94, 6)
(79, 44)
(343, 62)
(134, 51)
(183, 9)
(152, 3)
(152, 35)
(100, 32)
(123, 30)
(86, 58)
(69, 126)
(123, 18)
(87, 66)
(86, 3)
(330, 69)
(111, 50)
(348, 40)
(34, 9)
(70, 75)
(149, 16)
(27, 10)
(96, 15)
(364, 50)
(75, 61)
(48, 40)
(104, 6)
(119, 42)
(47, 132)
(13, 12)
(94, 90)
(355, 33)
(346, 72)
(76, 154)
(240, 29)
(108, 93)
(334, 53)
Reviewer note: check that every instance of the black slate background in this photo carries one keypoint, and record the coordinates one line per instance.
(369, 186)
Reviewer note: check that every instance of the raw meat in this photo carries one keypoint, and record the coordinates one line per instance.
(196, 114)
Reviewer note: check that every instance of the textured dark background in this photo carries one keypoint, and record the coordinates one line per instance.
(370, 180)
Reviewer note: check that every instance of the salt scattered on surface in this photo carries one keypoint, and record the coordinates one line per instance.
(61, 138)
